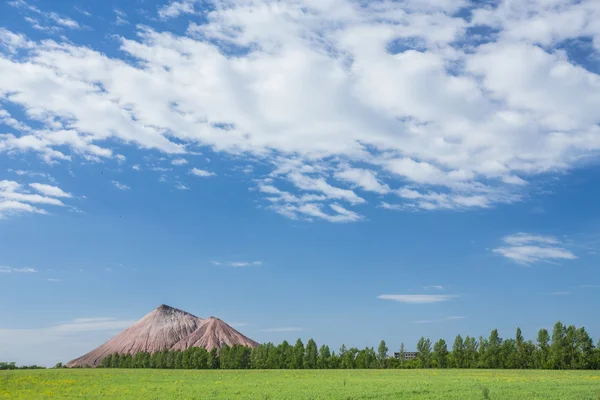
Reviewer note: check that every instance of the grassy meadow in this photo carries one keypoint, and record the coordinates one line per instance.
(299, 384)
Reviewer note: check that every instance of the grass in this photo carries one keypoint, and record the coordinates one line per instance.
(301, 384)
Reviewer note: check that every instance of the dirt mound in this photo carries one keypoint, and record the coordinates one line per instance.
(166, 328)
(157, 331)
(214, 333)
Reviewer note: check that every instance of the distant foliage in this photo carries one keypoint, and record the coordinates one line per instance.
(4, 366)
(567, 348)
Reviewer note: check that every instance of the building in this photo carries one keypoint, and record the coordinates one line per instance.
(408, 355)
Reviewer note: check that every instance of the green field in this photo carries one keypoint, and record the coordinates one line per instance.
(299, 384)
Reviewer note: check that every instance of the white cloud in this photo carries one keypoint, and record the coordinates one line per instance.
(121, 17)
(17, 270)
(32, 174)
(15, 199)
(363, 178)
(177, 8)
(237, 264)
(60, 21)
(375, 95)
(179, 161)
(49, 190)
(120, 186)
(559, 293)
(181, 186)
(54, 280)
(526, 249)
(201, 172)
(436, 287)
(417, 298)
(307, 183)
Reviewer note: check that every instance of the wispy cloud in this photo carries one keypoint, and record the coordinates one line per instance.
(59, 342)
(16, 199)
(54, 280)
(76, 326)
(181, 186)
(120, 186)
(559, 293)
(237, 264)
(591, 286)
(524, 248)
(8, 270)
(176, 8)
(179, 161)
(435, 287)
(417, 298)
(49, 190)
(201, 172)
(60, 21)
(121, 17)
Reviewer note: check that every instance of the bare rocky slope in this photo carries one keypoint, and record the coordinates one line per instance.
(214, 333)
(166, 328)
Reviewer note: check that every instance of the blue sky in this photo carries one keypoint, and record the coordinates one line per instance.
(332, 169)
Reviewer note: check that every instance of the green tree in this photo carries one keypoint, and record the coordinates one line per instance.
(471, 352)
(458, 353)
(298, 355)
(310, 355)
(585, 350)
(543, 352)
(521, 361)
(424, 352)
(570, 349)
(213, 359)
(324, 358)
(440, 354)
(382, 351)
(493, 350)
(558, 347)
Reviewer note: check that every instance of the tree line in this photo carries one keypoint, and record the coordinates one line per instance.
(5, 366)
(567, 348)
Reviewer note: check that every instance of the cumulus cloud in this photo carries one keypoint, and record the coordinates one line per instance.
(363, 178)
(417, 298)
(394, 98)
(179, 161)
(16, 199)
(177, 8)
(201, 172)
(524, 248)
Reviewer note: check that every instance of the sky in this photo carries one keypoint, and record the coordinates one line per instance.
(344, 170)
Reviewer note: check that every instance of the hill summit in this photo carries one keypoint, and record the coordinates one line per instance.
(166, 328)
